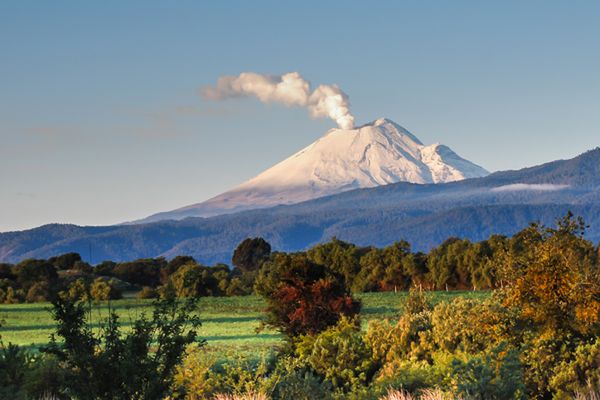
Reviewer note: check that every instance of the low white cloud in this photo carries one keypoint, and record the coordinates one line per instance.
(541, 187)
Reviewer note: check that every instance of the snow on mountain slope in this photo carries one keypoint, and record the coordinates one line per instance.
(378, 153)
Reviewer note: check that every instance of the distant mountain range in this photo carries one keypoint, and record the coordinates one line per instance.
(424, 214)
(375, 154)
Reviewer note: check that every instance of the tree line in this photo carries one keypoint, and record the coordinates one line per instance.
(456, 264)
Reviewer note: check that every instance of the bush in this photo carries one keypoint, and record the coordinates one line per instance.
(200, 376)
(147, 293)
(38, 292)
(417, 302)
(100, 290)
(496, 375)
(301, 385)
(471, 326)
(78, 290)
(194, 378)
(339, 354)
(408, 339)
(580, 374)
(46, 379)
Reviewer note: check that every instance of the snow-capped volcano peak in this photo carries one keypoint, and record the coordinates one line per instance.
(377, 153)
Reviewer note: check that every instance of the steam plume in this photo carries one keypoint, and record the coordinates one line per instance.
(289, 89)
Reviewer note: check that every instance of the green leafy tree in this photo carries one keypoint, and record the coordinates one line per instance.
(136, 364)
(193, 280)
(65, 261)
(339, 256)
(250, 254)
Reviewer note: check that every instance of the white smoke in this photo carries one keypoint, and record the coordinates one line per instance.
(289, 89)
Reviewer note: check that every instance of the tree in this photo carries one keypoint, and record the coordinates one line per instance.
(30, 272)
(174, 265)
(193, 280)
(250, 254)
(552, 286)
(143, 272)
(136, 364)
(65, 261)
(339, 256)
(553, 279)
(303, 297)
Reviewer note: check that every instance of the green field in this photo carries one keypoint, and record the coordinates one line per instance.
(228, 323)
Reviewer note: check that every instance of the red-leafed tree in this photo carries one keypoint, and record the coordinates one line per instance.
(303, 297)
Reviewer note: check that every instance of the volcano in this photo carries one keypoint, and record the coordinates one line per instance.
(375, 154)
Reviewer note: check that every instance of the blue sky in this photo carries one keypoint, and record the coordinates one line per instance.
(101, 120)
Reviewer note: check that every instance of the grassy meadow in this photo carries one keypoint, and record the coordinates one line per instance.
(229, 324)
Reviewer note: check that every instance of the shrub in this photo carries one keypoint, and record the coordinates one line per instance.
(496, 375)
(39, 291)
(194, 378)
(147, 293)
(417, 302)
(45, 379)
(580, 374)
(100, 290)
(393, 344)
(465, 325)
(339, 354)
(78, 290)
(301, 384)
(200, 376)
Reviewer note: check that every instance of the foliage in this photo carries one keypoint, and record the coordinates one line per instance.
(201, 376)
(304, 297)
(14, 365)
(339, 354)
(101, 289)
(147, 293)
(493, 375)
(250, 254)
(293, 379)
(553, 279)
(468, 326)
(115, 365)
(579, 374)
(193, 280)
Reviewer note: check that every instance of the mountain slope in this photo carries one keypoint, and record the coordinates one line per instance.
(423, 214)
(374, 154)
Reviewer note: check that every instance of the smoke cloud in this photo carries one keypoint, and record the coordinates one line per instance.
(290, 89)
